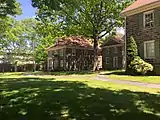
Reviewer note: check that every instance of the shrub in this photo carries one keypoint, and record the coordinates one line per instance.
(135, 65)
(132, 50)
(139, 66)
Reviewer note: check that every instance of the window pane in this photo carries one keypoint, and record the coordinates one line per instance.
(148, 20)
(61, 63)
(150, 49)
(107, 60)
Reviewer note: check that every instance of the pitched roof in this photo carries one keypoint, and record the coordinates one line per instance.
(119, 39)
(139, 3)
(72, 41)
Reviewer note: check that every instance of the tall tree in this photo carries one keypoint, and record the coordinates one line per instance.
(47, 34)
(31, 37)
(9, 7)
(92, 18)
(19, 41)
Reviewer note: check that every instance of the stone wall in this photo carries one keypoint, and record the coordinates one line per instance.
(110, 54)
(135, 28)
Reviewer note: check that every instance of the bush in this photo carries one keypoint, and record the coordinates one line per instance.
(132, 50)
(139, 66)
(135, 65)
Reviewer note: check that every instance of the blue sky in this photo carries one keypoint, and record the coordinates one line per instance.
(29, 12)
(27, 9)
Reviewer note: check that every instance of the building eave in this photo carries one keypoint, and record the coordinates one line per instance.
(140, 9)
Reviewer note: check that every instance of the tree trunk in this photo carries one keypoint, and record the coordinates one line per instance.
(95, 66)
(34, 64)
(15, 68)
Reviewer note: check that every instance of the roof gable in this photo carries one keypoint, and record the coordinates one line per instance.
(113, 41)
(139, 4)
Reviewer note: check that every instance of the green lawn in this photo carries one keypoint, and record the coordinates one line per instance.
(119, 75)
(76, 97)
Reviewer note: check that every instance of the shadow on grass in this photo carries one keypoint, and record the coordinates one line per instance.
(48, 99)
(115, 73)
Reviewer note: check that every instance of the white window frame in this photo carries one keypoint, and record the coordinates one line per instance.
(107, 60)
(144, 18)
(107, 50)
(145, 54)
(115, 62)
(115, 49)
(61, 63)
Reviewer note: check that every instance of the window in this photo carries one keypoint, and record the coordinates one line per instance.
(107, 50)
(149, 50)
(148, 19)
(61, 52)
(73, 52)
(115, 49)
(107, 60)
(115, 62)
(61, 63)
(50, 63)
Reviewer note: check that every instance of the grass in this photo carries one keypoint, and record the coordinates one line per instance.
(119, 75)
(74, 98)
(63, 73)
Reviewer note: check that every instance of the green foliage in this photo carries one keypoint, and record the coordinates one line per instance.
(47, 34)
(91, 18)
(132, 50)
(135, 65)
(84, 17)
(18, 40)
(9, 7)
(139, 66)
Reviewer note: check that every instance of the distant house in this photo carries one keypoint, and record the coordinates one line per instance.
(10, 62)
(73, 53)
(113, 53)
(143, 23)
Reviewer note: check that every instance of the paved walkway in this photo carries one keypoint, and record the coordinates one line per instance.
(141, 84)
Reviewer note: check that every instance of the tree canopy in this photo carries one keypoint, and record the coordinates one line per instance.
(18, 40)
(92, 18)
(9, 7)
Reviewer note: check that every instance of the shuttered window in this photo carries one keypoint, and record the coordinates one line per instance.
(148, 19)
(149, 49)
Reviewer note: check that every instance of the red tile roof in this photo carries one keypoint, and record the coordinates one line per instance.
(73, 41)
(139, 3)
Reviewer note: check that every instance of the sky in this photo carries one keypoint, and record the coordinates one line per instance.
(29, 12)
(27, 9)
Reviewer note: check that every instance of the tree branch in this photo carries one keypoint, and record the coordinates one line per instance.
(109, 29)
